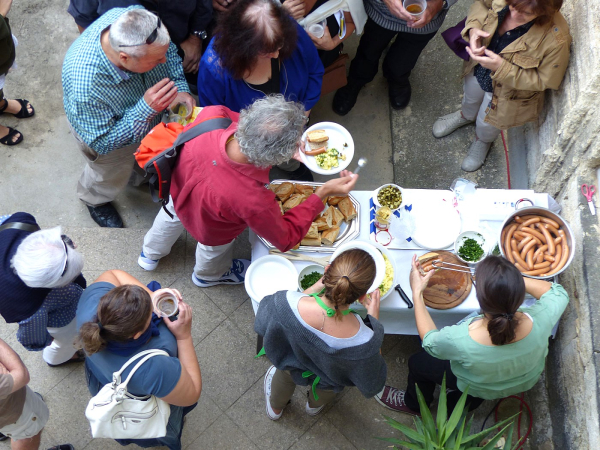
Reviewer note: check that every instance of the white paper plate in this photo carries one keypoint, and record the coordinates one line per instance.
(437, 224)
(371, 250)
(270, 274)
(338, 136)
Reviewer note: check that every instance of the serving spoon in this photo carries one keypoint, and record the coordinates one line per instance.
(362, 162)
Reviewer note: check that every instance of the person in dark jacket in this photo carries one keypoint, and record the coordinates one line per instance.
(318, 340)
(186, 21)
(20, 108)
(40, 286)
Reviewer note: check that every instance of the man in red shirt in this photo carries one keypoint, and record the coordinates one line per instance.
(220, 186)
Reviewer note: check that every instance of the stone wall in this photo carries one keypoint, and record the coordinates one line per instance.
(563, 151)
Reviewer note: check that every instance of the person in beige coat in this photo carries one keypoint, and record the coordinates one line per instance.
(517, 49)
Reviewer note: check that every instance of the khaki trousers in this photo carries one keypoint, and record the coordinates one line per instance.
(475, 107)
(104, 176)
(211, 261)
(282, 389)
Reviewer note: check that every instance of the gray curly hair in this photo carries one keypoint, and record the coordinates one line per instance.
(269, 130)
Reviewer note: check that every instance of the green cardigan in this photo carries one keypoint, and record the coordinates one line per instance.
(7, 46)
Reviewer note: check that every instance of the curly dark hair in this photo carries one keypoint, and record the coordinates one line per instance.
(252, 27)
(543, 9)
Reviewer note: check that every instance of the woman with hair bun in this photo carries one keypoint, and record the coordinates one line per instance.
(115, 322)
(314, 339)
(498, 353)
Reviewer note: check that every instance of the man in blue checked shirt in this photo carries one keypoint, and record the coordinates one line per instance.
(118, 77)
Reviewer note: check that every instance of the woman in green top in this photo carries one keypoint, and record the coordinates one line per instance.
(499, 353)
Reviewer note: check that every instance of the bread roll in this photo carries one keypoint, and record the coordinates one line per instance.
(314, 242)
(317, 136)
(294, 200)
(322, 223)
(347, 209)
(313, 231)
(334, 200)
(328, 237)
(338, 217)
(284, 191)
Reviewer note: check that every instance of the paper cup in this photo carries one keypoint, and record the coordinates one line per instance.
(166, 304)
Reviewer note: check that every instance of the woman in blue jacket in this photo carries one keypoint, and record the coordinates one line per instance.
(258, 50)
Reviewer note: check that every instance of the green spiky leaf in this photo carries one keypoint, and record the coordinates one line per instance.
(477, 437)
(442, 414)
(426, 416)
(407, 431)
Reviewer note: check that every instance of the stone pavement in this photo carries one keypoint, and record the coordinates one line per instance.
(40, 176)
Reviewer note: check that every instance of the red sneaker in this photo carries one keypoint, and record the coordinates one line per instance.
(393, 399)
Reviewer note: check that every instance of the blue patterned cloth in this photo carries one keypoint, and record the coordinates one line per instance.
(105, 105)
(58, 310)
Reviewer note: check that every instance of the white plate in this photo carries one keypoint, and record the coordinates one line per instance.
(372, 250)
(338, 136)
(437, 224)
(387, 253)
(270, 274)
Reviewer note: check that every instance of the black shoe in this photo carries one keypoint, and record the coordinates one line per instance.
(62, 447)
(399, 95)
(106, 216)
(345, 98)
(302, 173)
(3, 437)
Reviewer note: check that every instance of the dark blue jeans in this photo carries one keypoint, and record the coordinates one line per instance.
(174, 427)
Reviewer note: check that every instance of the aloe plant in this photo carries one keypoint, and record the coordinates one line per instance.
(449, 433)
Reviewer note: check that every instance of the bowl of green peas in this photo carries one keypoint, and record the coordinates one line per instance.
(390, 195)
(309, 276)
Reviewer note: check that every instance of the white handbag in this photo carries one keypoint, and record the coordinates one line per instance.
(114, 413)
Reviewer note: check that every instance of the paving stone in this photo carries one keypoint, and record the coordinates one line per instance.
(360, 420)
(223, 434)
(243, 317)
(323, 435)
(43, 377)
(228, 365)
(196, 422)
(67, 402)
(248, 412)
(119, 249)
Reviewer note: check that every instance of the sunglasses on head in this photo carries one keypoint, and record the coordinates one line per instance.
(66, 241)
(150, 38)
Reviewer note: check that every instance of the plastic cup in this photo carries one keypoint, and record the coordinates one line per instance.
(415, 8)
(166, 304)
(317, 29)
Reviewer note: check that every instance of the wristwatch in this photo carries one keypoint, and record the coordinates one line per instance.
(203, 35)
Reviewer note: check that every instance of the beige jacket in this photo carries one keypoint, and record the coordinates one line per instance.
(534, 62)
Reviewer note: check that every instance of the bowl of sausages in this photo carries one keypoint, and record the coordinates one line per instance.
(537, 241)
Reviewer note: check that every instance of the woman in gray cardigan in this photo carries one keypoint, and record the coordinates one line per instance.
(313, 338)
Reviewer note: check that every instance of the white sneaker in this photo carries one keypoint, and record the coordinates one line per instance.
(235, 275)
(476, 156)
(147, 263)
(449, 123)
(268, 380)
(313, 411)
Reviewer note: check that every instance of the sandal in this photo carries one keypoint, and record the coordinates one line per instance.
(8, 139)
(23, 113)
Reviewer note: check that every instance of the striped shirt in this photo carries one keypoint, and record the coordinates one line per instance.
(381, 15)
(105, 105)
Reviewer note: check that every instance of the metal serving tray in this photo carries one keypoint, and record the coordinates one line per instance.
(348, 231)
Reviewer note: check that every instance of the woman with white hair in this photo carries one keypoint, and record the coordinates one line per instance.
(218, 189)
(40, 286)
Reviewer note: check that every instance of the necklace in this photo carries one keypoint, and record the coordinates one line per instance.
(262, 92)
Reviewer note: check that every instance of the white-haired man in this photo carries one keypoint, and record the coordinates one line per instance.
(40, 286)
(117, 77)
(219, 188)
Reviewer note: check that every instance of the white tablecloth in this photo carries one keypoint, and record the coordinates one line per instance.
(485, 212)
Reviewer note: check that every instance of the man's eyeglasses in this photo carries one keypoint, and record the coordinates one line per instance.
(66, 241)
(150, 38)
